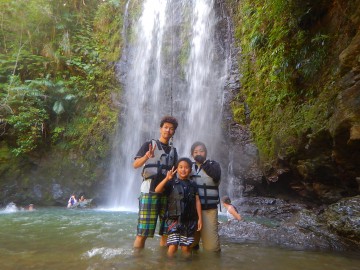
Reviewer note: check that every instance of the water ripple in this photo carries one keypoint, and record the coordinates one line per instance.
(107, 253)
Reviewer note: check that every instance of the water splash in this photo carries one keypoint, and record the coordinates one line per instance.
(172, 67)
(10, 208)
(106, 253)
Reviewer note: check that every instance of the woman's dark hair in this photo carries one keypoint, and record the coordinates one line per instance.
(226, 199)
(196, 144)
(169, 119)
(187, 160)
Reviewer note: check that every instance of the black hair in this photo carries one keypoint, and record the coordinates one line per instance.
(226, 199)
(187, 160)
(196, 144)
(169, 119)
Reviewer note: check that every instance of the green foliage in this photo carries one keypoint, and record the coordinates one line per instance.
(57, 74)
(107, 23)
(238, 109)
(281, 61)
(29, 124)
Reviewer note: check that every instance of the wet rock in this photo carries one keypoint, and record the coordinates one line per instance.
(348, 57)
(239, 231)
(272, 208)
(343, 218)
(285, 235)
(307, 221)
(295, 225)
(57, 191)
(37, 191)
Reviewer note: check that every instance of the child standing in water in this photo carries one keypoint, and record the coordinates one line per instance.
(184, 207)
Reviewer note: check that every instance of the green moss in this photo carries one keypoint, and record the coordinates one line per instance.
(5, 152)
(281, 63)
(238, 112)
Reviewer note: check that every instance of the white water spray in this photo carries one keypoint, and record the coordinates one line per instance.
(173, 67)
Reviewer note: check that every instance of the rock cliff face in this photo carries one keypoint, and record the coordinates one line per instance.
(239, 158)
(328, 164)
(50, 179)
(325, 165)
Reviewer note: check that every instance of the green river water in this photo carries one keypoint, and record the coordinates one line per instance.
(56, 238)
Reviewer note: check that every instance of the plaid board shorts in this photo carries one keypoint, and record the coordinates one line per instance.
(151, 206)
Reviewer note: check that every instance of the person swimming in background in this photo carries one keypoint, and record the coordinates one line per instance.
(72, 201)
(231, 213)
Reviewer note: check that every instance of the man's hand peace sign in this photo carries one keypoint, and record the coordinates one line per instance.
(151, 151)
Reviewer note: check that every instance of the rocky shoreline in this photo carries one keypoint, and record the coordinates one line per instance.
(297, 225)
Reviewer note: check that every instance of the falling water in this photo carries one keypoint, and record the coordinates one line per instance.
(172, 67)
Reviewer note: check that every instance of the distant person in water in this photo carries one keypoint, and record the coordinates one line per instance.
(82, 199)
(184, 207)
(72, 200)
(31, 207)
(156, 157)
(231, 213)
(207, 174)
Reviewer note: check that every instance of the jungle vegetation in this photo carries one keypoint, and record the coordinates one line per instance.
(57, 73)
(288, 71)
(57, 76)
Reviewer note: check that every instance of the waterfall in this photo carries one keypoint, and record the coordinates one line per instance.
(173, 66)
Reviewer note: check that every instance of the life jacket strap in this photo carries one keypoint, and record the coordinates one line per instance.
(151, 166)
(205, 195)
(206, 198)
(204, 186)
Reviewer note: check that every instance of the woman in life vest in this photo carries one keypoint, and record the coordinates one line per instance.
(184, 207)
(231, 213)
(207, 173)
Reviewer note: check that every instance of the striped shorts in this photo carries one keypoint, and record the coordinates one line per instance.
(180, 235)
(151, 206)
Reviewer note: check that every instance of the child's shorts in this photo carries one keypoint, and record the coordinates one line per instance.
(180, 235)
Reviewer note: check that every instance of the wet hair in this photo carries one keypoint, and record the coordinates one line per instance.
(187, 160)
(169, 119)
(196, 144)
(226, 199)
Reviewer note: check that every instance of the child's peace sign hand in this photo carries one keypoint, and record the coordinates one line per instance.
(170, 174)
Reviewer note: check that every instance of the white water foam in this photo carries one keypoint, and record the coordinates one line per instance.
(172, 66)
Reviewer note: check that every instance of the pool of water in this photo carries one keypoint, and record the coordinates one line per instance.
(56, 238)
